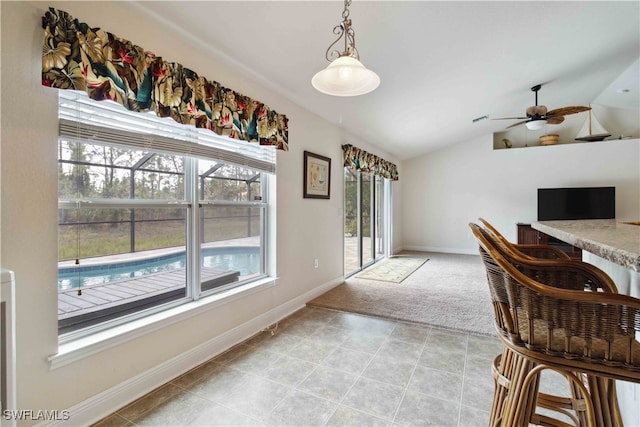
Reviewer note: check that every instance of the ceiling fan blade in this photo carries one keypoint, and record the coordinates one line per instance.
(510, 118)
(555, 120)
(517, 124)
(564, 111)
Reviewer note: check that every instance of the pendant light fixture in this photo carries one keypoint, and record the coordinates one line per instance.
(345, 75)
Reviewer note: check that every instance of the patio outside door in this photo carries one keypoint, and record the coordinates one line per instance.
(365, 220)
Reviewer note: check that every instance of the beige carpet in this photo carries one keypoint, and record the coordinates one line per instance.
(394, 269)
(450, 291)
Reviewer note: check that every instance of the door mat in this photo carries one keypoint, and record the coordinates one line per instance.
(394, 269)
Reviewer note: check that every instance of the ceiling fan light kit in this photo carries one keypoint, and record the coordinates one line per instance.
(345, 75)
(536, 124)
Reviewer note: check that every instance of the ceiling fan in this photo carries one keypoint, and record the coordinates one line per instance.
(538, 116)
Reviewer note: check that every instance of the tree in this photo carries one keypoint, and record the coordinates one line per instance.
(74, 180)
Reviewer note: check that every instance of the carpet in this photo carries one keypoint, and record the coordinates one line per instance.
(394, 269)
(450, 291)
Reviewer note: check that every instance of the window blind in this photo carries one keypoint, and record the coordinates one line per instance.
(82, 119)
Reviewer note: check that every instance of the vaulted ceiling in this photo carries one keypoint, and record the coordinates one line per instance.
(442, 64)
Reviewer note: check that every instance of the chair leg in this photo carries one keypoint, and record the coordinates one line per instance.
(507, 367)
(513, 404)
(501, 369)
(504, 368)
(602, 392)
(612, 398)
(576, 381)
(518, 397)
(597, 393)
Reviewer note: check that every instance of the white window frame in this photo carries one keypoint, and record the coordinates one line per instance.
(82, 119)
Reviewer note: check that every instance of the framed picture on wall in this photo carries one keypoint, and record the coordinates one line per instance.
(317, 176)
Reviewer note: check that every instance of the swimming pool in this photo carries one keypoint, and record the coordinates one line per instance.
(245, 259)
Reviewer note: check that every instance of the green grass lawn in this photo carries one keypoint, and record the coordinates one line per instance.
(85, 241)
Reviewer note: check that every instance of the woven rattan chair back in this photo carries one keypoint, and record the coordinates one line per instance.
(564, 272)
(531, 251)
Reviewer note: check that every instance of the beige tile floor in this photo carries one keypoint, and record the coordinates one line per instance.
(329, 368)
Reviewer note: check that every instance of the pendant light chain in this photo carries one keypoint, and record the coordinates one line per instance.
(350, 34)
(345, 12)
(344, 29)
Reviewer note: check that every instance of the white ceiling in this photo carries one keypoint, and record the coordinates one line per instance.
(441, 64)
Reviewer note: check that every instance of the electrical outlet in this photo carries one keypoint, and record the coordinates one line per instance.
(315, 263)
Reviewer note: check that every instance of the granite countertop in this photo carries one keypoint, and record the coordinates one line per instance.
(614, 240)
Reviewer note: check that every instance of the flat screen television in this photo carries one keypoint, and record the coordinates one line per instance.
(576, 203)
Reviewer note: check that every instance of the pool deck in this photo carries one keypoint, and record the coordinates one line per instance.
(103, 302)
(98, 303)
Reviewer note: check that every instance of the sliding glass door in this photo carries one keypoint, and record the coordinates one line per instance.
(366, 217)
(365, 220)
(381, 227)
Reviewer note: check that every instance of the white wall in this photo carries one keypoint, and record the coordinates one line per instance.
(449, 188)
(306, 228)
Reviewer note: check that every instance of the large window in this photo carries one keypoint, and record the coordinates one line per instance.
(143, 227)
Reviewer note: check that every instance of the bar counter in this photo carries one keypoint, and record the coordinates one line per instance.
(613, 240)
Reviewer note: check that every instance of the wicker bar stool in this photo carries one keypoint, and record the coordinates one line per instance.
(580, 334)
(565, 273)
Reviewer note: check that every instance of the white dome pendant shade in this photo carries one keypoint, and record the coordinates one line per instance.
(345, 76)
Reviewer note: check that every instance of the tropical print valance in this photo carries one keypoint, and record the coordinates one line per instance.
(358, 159)
(76, 56)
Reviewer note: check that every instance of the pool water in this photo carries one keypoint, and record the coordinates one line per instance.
(246, 260)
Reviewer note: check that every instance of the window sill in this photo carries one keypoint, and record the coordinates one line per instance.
(72, 351)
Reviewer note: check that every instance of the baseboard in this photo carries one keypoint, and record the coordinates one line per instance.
(103, 404)
(441, 250)
(396, 251)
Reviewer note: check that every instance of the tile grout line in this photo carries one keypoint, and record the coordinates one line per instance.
(464, 371)
(293, 387)
(415, 366)
(317, 366)
(359, 377)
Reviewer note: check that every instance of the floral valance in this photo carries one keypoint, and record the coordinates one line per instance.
(76, 56)
(358, 159)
